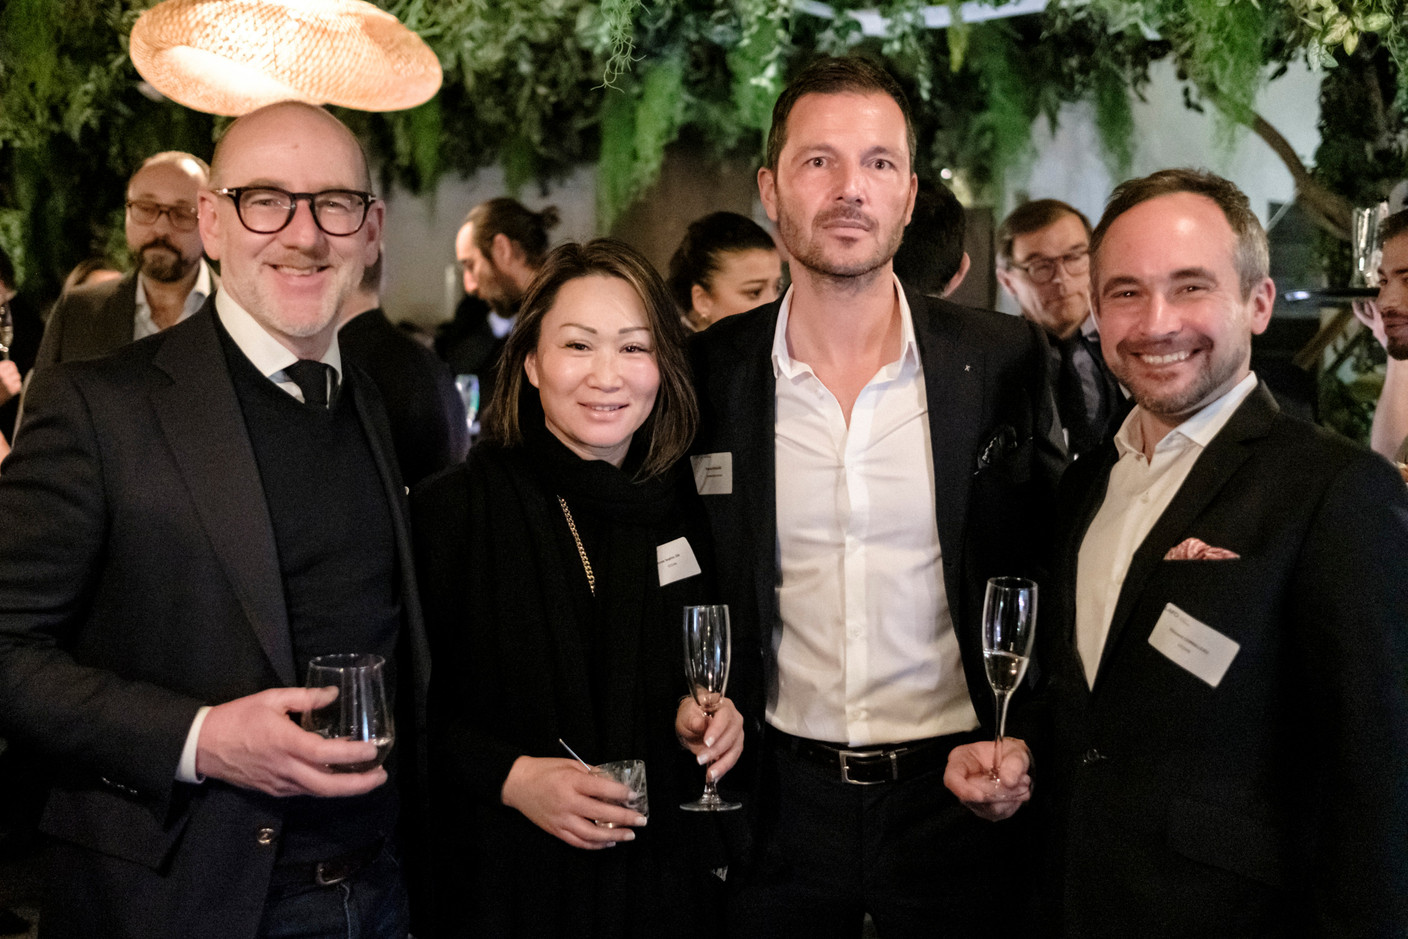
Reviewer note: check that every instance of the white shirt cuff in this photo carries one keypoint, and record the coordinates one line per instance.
(186, 770)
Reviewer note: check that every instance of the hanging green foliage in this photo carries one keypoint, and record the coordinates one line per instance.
(636, 128)
(540, 87)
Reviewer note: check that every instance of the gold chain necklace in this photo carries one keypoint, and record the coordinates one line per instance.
(581, 551)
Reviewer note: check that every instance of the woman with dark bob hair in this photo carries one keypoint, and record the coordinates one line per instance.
(553, 618)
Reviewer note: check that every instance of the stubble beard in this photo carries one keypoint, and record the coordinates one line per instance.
(806, 249)
(1215, 378)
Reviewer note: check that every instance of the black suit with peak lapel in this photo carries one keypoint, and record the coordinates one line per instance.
(141, 581)
(1276, 803)
(995, 454)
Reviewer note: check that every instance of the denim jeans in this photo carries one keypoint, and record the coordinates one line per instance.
(369, 905)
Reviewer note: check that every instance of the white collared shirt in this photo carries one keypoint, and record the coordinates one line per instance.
(269, 355)
(143, 325)
(1138, 493)
(866, 652)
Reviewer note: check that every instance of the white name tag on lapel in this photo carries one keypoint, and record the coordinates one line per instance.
(676, 561)
(1193, 645)
(713, 473)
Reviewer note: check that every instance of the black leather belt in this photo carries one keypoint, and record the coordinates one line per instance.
(324, 873)
(869, 766)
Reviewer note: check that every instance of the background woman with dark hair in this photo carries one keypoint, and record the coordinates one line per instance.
(551, 616)
(725, 264)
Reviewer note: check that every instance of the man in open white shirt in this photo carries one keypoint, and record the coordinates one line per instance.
(868, 457)
(188, 521)
(1226, 640)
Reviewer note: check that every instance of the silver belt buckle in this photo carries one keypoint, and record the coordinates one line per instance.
(843, 757)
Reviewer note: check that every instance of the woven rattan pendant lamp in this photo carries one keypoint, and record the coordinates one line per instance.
(232, 56)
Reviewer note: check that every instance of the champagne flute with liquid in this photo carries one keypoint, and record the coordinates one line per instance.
(1009, 625)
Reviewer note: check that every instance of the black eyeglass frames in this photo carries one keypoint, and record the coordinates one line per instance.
(266, 210)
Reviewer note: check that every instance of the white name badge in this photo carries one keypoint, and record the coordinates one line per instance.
(713, 473)
(1192, 645)
(676, 561)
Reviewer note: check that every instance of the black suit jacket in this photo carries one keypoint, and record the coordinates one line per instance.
(427, 416)
(995, 451)
(138, 581)
(1275, 804)
(90, 321)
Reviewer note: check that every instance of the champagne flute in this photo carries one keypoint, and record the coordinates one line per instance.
(358, 712)
(706, 658)
(1009, 624)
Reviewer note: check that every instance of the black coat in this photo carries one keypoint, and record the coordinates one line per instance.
(525, 656)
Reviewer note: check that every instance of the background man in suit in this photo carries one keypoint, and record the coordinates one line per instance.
(427, 416)
(909, 435)
(1043, 256)
(1227, 638)
(171, 280)
(187, 523)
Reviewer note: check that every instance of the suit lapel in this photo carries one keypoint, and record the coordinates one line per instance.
(1223, 456)
(753, 386)
(953, 385)
(204, 427)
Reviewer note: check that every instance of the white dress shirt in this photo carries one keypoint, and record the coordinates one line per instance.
(143, 325)
(1138, 493)
(866, 652)
(270, 357)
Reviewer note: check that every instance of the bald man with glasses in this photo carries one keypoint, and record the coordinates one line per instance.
(187, 523)
(1043, 262)
(171, 278)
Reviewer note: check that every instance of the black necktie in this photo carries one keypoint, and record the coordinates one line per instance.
(312, 379)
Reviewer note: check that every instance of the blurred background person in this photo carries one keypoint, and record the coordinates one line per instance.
(171, 280)
(725, 264)
(21, 315)
(1043, 262)
(552, 619)
(428, 424)
(499, 247)
(1387, 319)
(931, 258)
(89, 272)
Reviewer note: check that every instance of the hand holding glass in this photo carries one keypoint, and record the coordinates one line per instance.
(630, 773)
(707, 649)
(1009, 624)
(358, 712)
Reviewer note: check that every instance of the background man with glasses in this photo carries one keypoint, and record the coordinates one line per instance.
(187, 522)
(171, 279)
(1043, 262)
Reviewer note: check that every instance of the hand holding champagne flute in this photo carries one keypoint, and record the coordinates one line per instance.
(707, 649)
(1009, 625)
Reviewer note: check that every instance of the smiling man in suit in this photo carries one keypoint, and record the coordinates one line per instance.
(1226, 644)
(187, 523)
(868, 457)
